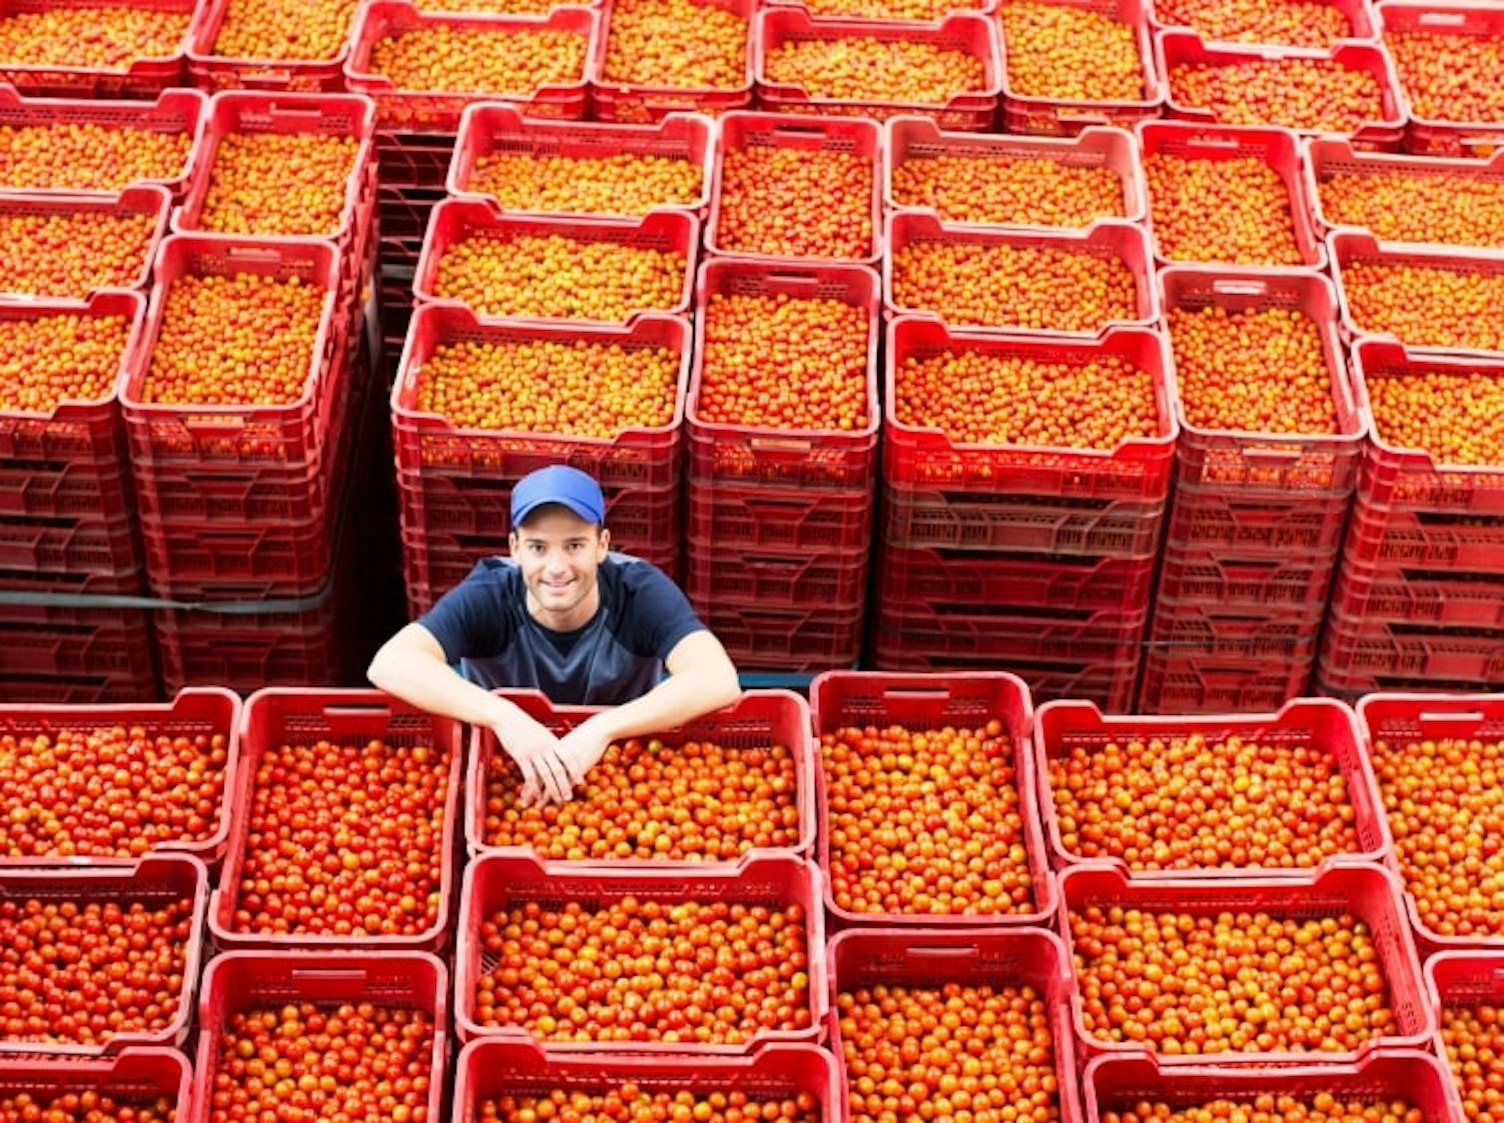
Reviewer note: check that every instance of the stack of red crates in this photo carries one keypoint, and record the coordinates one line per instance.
(1255, 527)
(454, 483)
(780, 518)
(241, 507)
(67, 504)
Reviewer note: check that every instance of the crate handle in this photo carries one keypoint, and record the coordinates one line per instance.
(1227, 286)
(208, 426)
(1461, 717)
(969, 951)
(329, 974)
(1446, 21)
(916, 692)
(355, 721)
(780, 444)
(1083, 116)
(1272, 455)
(796, 130)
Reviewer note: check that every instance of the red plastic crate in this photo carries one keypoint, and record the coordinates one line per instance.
(976, 521)
(757, 720)
(832, 522)
(97, 546)
(1210, 578)
(1231, 523)
(455, 221)
(721, 452)
(1362, 24)
(739, 131)
(185, 560)
(969, 32)
(1355, 651)
(279, 717)
(1427, 135)
(911, 139)
(62, 640)
(1402, 719)
(498, 881)
(1126, 243)
(250, 644)
(81, 438)
(197, 435)
(1063, 581)
(170, 497)
(1192, 684)
(1109, 685)
(1305, 465)
(777, 580)
(1384, 1076)
(1411, 478)
(488, 1069)
(1355, 247)
(1462, 980)
(144, 76)
(626, 103)
(1174, 49)
(82, 687)
(241, 981)
(139, 200)
(209, 70)
(1252, 634)
(1023, 113)
(70, 491)
(1279, 150)
(500, 129)
(201, 711)
(1013, 631)
(1322, 725)
(136, 1077)
(460, 506)
(1329, 157)
(336, 116)
(1137, 469)
(154, 881)
(919, 702)
(427, 442)
(1440, 597)
(1434, 541)
(439, 111)
(933, 960)
(784, 639)
(1367, 892)
(176, 111)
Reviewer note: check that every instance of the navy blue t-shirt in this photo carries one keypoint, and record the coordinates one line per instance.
(484, 625)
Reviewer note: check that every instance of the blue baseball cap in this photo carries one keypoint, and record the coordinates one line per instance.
(558, 483)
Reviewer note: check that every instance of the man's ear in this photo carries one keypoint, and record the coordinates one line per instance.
(512, 540)
(605, 539)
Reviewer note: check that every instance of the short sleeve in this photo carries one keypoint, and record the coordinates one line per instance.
(473, 620)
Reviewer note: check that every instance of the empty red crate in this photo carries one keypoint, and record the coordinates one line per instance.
(1174, 50)
(1122, 242)
(784, 639)
(1383, 1077)
(242, 982)
(1109, 685)
(497, 882)
(1278, 150)
(758, 720)
(1404, 721)
(1323, 726)
(253, 497)
(211, 70)
(828, 521)
(184, 560)
(886, 960)
(1310, 464)
(1367, 893)
(1356, 651)
(1138, 468)
(1457, 599)
(198, 434)
(978, 521)
(88, 545)
(724, 452)
(489, 1069)
(74, 73)
(1226, 580)
(498, 130)
(143, 200)
(860, 138)
(72, 490)
(456, 221)
(332, 116)
(1025, 113)
(1328, 158)
(176, 112)
(1193, 684)
(1427, 133)
(250, 644)
(1253, 633)
(1357, 14)
(911, 140)
(1401, 476)
(439, 111)
(84, 686)
(777, 579)
(157, 881)
(135, 1078)
(1230, 523)
(629, 103)
(642, 457)
(967, 32)
(1351, 248)
(968, 700)
(63, 640)
(1060, 581)
(199, 712)
(1435, 541)
(277, 718)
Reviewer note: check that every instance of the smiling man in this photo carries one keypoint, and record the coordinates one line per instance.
(566, 616)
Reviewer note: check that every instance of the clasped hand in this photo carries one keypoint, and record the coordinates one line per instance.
(551, 766)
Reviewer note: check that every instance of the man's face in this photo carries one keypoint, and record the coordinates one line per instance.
(559, 554)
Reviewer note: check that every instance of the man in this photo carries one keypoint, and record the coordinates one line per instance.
(566, 616)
